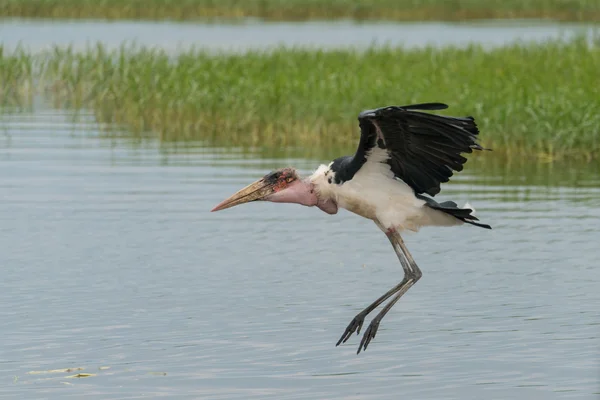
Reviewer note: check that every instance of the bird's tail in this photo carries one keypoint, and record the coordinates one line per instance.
(465, 214)
(469, 206)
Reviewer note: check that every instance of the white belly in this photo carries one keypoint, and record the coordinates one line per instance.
(392, 203)
(374, 193)
(395, 207)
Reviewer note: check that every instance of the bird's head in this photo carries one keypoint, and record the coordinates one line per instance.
(280, 186)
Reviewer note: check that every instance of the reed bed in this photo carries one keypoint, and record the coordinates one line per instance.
(16, 79)
(530, 100)
(399, 10)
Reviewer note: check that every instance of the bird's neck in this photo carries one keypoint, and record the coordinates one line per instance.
(321, 181)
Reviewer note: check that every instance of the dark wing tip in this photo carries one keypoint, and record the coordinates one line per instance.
(368, 114)
(426, 106)
(423, 106)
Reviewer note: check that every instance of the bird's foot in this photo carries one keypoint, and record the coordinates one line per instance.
(369, 334)
(353, 326)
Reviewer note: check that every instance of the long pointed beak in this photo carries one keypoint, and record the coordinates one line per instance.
(255, 191)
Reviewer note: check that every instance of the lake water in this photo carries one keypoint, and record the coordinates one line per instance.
(112, 262)
(37, 34)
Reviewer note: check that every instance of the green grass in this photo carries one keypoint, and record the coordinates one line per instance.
(532, 101)
(400, 10)
(16, 79)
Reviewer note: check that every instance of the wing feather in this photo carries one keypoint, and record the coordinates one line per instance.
(424, 149)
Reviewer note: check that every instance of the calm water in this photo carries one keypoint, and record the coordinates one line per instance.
(110, 258)
(174, 36)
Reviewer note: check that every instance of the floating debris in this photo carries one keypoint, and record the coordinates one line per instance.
(56, 371)
(80, 375)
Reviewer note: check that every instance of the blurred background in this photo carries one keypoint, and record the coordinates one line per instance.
(123, 122)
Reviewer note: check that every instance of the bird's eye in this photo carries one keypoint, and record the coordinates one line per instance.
(289, 179)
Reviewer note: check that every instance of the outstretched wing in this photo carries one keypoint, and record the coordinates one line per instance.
(424, 149)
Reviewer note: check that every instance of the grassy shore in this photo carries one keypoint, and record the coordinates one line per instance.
(534, 100)
(399, 10)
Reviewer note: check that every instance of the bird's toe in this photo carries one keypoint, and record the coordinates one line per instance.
(354, 326)
(368, 335)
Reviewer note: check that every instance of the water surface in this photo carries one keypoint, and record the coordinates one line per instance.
(110, 258)
(37, 35)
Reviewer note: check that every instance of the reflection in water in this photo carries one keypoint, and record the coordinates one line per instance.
(111, 259)
(173, 37)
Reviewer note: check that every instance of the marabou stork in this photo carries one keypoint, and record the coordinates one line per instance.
(402, 156)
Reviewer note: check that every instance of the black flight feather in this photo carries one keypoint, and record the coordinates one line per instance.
(425, 149)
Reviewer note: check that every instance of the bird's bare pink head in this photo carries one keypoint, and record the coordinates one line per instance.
(280, 186)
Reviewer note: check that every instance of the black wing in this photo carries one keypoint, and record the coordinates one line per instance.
(424, 149)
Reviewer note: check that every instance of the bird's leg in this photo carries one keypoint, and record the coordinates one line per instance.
(356, 323)
(412, 274)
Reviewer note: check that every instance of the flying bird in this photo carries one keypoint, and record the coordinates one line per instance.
(403, 156)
